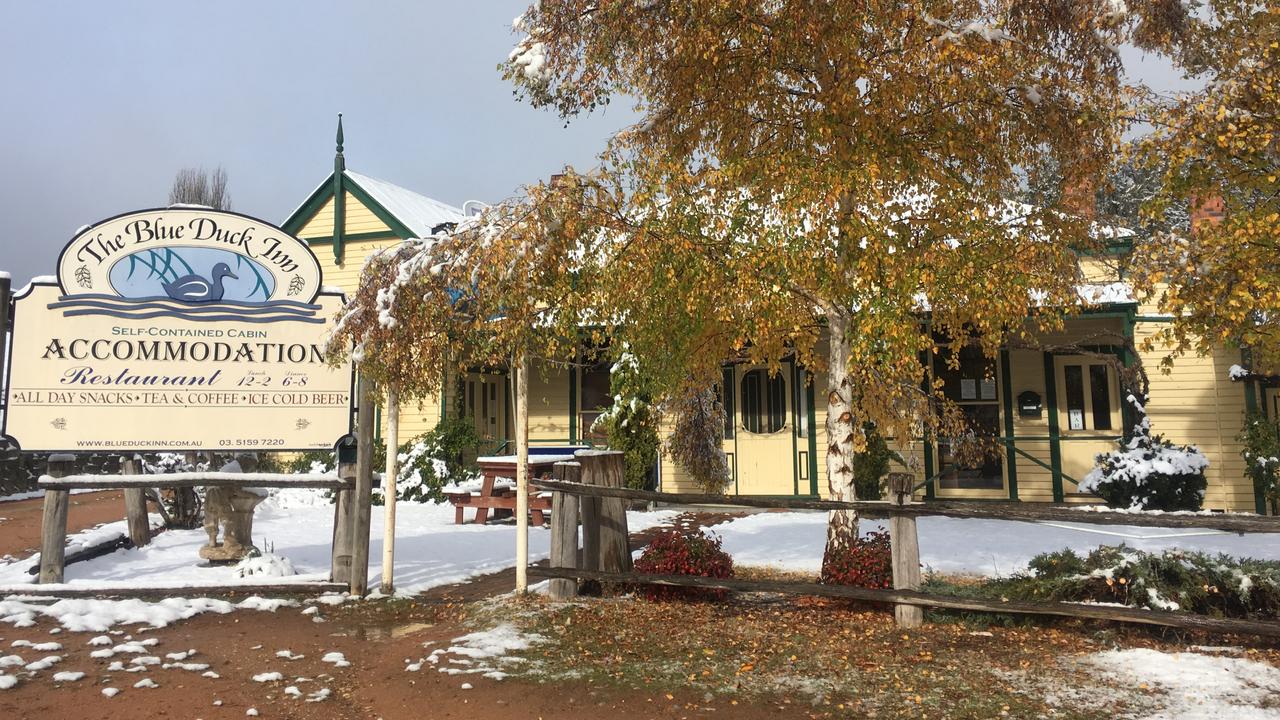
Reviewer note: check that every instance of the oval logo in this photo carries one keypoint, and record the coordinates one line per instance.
(195, 263)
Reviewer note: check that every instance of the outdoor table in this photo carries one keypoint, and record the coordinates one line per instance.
(496, 489)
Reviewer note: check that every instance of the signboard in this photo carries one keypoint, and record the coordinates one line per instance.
(181, 329)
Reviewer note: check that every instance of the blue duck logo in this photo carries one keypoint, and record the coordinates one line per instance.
(195, 289)
(193, 264)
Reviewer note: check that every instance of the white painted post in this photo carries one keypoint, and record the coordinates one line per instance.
(522, 474)
(392, 438)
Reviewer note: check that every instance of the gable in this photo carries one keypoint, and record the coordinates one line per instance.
(351, 206)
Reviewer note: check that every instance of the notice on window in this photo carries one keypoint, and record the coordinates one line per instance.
(989, 389)
(1075, 419)
(968, 389)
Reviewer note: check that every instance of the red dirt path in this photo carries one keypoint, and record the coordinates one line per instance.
(20, 527)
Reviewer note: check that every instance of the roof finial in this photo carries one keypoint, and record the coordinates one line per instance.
(339, 164)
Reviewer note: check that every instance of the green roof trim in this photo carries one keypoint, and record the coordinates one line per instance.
(352, 237)
(375, 207)
(329, 189)
(310, 207)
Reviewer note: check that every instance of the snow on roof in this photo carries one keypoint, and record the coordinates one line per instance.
(418, 212)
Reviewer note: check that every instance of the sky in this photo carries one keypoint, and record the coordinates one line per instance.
(106, 101)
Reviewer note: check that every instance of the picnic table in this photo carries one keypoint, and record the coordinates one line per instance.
(496, 488)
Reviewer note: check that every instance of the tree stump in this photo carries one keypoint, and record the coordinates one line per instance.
(604, 468)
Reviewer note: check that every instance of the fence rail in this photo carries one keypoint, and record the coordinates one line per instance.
(1185, 621)
(906, 597)
(969, 510)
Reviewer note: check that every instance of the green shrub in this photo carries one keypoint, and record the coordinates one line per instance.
(871, 465)
(1193, 582)
(1148, 472)
(432, 460)
(1261, 453)
(631, 422)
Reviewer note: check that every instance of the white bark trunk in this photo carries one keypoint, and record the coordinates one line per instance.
(842, 525)
(522, 473)
(392, 439)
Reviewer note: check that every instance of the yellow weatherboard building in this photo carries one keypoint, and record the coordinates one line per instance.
(1053, 411)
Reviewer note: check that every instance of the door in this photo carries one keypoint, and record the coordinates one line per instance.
(765, 445)
(971, 465)
(1089, 419)
(486, 404)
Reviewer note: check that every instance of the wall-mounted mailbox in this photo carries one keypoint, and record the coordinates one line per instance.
(1029, 405)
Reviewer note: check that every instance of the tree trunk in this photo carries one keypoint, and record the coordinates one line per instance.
(392, 438)
(842, 525)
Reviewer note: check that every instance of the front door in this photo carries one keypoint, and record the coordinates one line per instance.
(1089, 417)
(971, 465)
(765, 446)
(485, 398)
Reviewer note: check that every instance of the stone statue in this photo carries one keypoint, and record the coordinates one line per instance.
(231, 508)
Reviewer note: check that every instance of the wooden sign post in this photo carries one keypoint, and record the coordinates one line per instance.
(53, 529)
(135, 504)
(363, 500)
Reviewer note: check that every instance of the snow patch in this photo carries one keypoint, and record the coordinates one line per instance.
(1197, 687)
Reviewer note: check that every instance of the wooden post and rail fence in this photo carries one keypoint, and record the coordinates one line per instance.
(589, 483)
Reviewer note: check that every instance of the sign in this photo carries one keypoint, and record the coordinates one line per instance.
(177, 329)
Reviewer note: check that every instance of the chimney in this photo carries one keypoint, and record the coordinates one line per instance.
(1078, 198)
(1209, 210)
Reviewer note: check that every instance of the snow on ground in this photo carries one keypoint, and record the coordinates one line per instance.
(794, 541)
(297, 524)
(1196, 686)
(32, 494)
(484, 653)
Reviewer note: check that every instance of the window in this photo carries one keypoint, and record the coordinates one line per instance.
(595, 399)
(1089, 396)
(973, 461)
(1101, 396)
(764, 402)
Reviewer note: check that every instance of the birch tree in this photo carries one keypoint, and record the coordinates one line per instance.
(829, 181)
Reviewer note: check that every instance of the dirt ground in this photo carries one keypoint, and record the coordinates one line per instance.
(244, 643)
(20, 519)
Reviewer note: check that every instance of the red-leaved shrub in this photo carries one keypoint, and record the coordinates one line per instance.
(867, 562)
(676, 553)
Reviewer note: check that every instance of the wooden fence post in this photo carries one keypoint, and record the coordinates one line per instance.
(135, 505)
(343, 517)
(53, 530)
(604, 468)
(906, 550)
(564, 531)
(363, 500)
